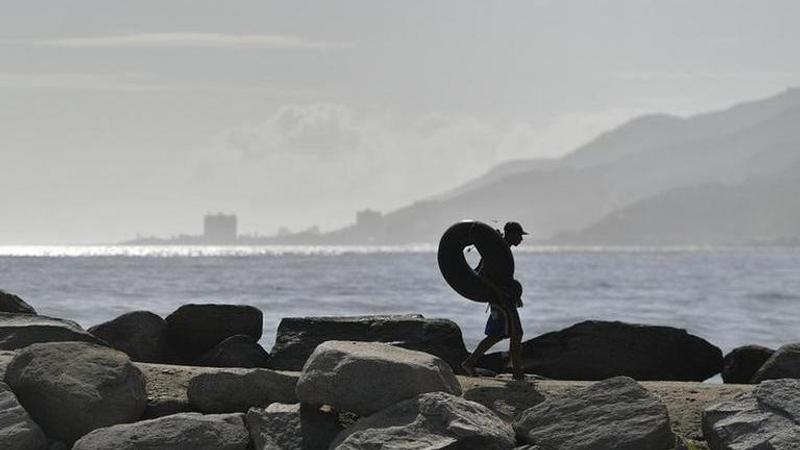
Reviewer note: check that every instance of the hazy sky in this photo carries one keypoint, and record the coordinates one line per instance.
(119, 118)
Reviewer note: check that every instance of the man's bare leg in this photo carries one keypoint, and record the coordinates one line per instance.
(515, 348)
(483, 346)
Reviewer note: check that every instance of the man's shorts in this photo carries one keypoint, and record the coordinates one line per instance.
(498, 326)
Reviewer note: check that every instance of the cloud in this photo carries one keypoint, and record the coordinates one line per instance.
(192, 40)
(322, 130)
(81, 81)
(122, 82)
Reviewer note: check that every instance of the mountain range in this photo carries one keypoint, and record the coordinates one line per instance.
(726, 177)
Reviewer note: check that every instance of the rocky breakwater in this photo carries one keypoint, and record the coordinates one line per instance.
(64, 386)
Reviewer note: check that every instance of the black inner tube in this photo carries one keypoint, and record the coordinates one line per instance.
(498, 263)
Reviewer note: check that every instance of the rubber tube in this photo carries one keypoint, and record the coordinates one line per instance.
(498, 263)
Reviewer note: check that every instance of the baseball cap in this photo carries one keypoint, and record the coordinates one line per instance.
(513, 227)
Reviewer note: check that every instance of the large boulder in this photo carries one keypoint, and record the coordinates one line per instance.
(434, 420)
(769, 418)
(140, 334)
(297, 337)
(11, 303)
(236, 390)
(616, 413)
(21, 330)
(17, 429)
(194, 329)
(71, 388)
(236, 351)
(784, 363)
(743, 362)
(187, 431)
(292, 427)
(596, 350)
(365, 377)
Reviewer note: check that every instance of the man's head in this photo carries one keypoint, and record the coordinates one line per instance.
(513, 233)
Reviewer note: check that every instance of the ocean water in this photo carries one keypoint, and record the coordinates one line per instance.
(730, 297)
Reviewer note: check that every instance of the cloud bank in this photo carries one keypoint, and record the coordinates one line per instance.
(190, 40)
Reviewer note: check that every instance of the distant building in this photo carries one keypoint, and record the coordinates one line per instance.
(219, 228)
(369, 224)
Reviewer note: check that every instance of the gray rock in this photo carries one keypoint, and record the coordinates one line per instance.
(291, 427)
(21, 330)
(616, 413)
(784, 363)
(236, 351)
(71, 388)
(237, 390)
(140, 334)
(365, 377)
(17, 429)
(5, 359)
(434, 420)
(297, 337)
(766, 419)
(596, 350)
(183, 431)
(166, 388)
(508, 401)
(11, 303)
(194, 329)
(742, 363)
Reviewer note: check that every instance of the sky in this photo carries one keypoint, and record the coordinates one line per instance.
(138, 117)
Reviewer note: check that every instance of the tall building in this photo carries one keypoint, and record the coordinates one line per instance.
(219, 228)
(369, 224)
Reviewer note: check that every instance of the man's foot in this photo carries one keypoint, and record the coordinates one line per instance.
(467, 366)
(519, 376)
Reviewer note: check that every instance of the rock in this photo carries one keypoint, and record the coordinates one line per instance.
(434, 420)
(742, 363)
(178, 431)
(21, 330)
(291, 427)
(5, 359)
(596, 350)
(365, 377)
(616, 413)
(766, 419)
(194, 329)
(237, 390)
(10, 303)
(784, 363)
(17, 429)
(236, 351)
(298, 336)
(508, 400)
(166, 387)
(71, 388)
(140, 334)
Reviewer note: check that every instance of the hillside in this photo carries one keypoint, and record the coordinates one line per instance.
(644, 158)
(761, 210)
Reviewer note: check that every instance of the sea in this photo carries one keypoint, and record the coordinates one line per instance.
(729, 296)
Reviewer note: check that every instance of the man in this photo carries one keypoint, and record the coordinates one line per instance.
(504, 320)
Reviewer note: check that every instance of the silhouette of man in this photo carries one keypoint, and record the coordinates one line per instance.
(503, 320)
